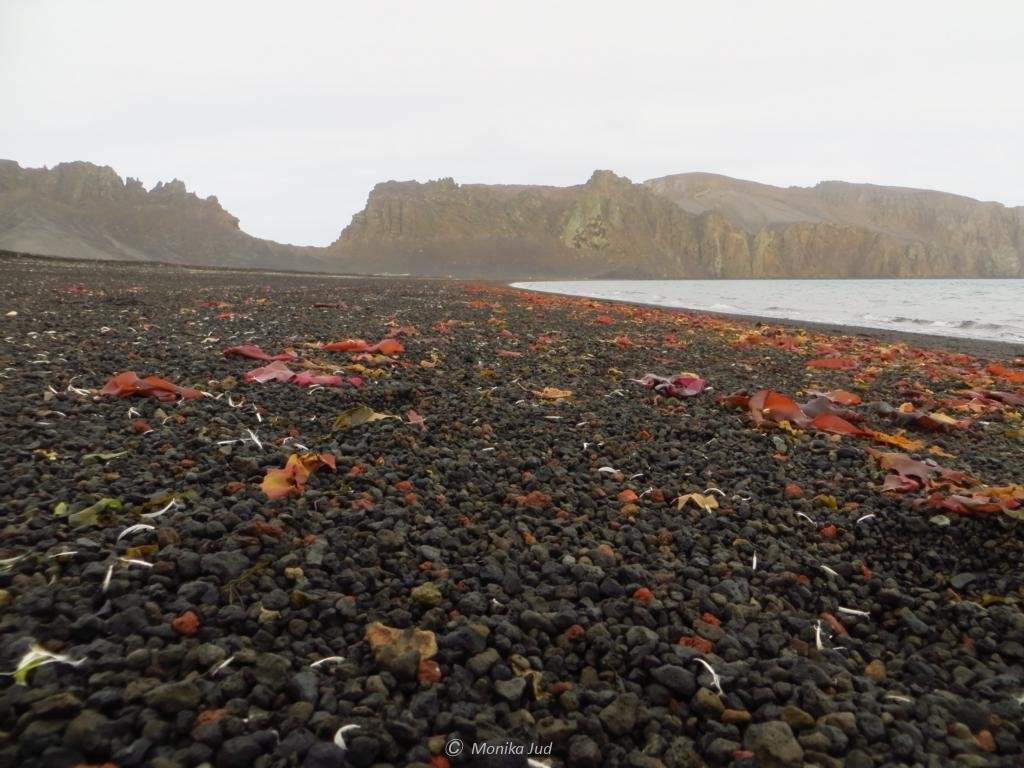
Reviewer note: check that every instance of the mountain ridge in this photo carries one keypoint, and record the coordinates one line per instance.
(83, 210)
(692, 225)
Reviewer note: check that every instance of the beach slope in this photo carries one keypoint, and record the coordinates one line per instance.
(448, 510)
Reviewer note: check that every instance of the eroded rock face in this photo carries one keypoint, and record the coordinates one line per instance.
(687, 226)
(81, 210)
(684, 226)
(606, 227)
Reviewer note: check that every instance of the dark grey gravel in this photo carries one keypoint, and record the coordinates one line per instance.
(563, 613)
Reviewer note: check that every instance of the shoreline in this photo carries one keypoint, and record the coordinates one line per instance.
(981, 347)
(971, 346)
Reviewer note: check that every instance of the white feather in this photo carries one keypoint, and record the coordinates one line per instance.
(339, 735)
(327, 660)
(137, 528)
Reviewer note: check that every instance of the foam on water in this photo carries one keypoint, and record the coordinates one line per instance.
(974, 309)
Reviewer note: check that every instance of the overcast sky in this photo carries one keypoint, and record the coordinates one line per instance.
(291, 112)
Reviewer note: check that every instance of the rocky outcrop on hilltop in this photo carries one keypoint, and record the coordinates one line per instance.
(81, 210)
(688, 226)
(605, 228)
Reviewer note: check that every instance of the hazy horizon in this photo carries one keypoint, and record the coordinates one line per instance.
(290, 118)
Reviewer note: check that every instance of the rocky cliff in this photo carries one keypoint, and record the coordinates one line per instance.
(608, 227)
(81, 210)
(686, 226)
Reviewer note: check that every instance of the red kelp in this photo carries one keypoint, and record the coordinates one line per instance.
(769, 338)
(129, 384)
(307, 379)
(774, 407)
(836, 425)
(838, 396)
(276, 371)
(910, 474)
(834, 363)
(388, 346)
(1006, 398)
(983, 500)
(822, 405)
(296, 471)
(679, 386)
(416, 420)
(766, 405)
(253, 352)
(1007, 374)
(975, 504)
(906, 416)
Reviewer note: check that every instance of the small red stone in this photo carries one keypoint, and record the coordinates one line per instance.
(643, 595)
(234, 487)
(430, 672)
(829, 531)
(536, 500)
(699, 643)
(575, 632)
(832, 621)
(187, 624)
(141, 426)
(985, 740)
(710, 618)
(209, 716)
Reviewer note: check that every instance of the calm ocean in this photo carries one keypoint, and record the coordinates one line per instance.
(975, 309)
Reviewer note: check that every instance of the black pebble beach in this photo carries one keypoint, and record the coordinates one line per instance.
(526, 533)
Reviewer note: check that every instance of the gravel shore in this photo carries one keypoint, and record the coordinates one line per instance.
(506, 539)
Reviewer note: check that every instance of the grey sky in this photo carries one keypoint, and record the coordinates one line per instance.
(290, 116)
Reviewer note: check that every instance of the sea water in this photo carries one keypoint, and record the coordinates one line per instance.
(976, 309)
